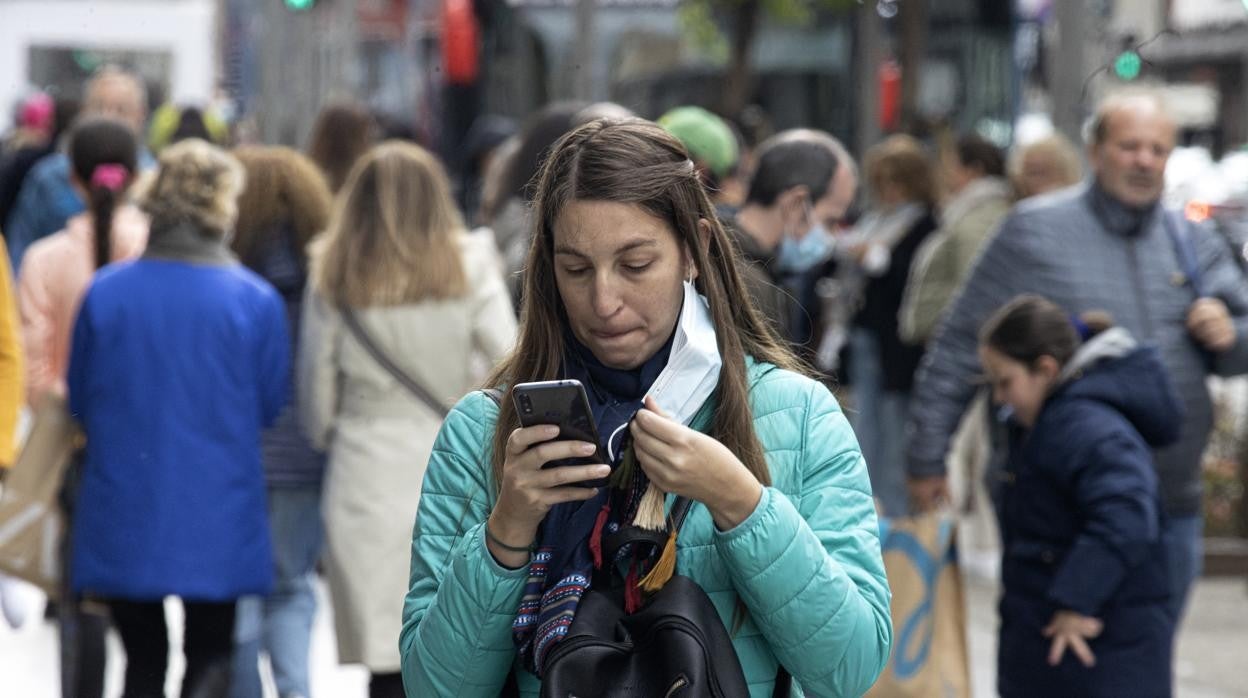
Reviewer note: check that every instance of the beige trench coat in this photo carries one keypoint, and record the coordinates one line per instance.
(379, 436)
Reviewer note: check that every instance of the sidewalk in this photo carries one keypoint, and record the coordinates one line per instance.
(1213, 649)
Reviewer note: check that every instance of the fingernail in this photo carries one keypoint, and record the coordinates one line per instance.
(604, 470)
(588, 448)
(551, 430)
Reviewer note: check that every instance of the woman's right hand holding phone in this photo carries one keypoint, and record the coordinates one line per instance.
(528, 491)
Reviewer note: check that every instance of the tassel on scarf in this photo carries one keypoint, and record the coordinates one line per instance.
(595, 537)
(651, 512)
(663, 568)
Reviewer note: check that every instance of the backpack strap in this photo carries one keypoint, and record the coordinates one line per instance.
(494, 394)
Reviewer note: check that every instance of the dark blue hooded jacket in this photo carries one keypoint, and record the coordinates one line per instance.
(1081, 528)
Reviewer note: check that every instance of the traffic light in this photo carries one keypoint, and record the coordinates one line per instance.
(299, 5)
(1128, 64)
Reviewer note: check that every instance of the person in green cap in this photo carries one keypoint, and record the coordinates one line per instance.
(711, 144)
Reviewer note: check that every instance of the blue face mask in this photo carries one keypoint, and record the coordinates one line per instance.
(797, 256)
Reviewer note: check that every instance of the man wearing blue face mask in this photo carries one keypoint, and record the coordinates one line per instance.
(803, 183)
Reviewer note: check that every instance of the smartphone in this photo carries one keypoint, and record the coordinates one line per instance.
(564, 404)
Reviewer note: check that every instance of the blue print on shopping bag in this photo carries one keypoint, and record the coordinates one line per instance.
(914, 639)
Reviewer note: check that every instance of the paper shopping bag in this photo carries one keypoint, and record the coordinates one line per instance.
(31, 521)
(929, 657)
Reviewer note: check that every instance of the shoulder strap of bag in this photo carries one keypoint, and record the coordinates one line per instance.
(494, 394)
(1184, 248)
(357, 330)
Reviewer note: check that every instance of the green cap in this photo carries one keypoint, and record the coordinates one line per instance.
(706, 136)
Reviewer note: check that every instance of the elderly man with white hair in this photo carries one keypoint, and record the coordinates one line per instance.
(1109, 245)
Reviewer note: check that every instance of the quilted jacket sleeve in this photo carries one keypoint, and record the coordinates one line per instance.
(36, 308)
(944, 384)
(273, 357)
(810, 572)
(1115, 487)
(456, 635)
(1222, 278)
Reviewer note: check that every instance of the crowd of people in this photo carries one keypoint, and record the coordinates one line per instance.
(275, 357)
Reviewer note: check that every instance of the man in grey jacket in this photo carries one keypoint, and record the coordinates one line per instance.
(1106, 245)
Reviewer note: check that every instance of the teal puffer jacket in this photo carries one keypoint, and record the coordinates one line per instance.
(806, 563)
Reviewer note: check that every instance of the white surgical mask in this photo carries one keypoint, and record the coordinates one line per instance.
(692, 370)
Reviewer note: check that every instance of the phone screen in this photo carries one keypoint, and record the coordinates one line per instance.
(565, 405)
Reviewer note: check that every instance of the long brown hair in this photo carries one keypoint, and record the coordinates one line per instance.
(901, 160)
(283, 188)
(637, 162)
(343, 132)
(1032, 326)
(394, 235)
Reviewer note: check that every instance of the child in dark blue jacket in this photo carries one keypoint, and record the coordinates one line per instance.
(1084, 608)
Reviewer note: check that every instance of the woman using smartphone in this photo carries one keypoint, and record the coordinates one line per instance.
(632, 288)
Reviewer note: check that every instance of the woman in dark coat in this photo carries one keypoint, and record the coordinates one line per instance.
(1084, 608)
(901, 182)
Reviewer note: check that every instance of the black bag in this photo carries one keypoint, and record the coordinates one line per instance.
(675, 646)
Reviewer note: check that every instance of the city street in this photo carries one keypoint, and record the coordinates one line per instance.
(1210, 663)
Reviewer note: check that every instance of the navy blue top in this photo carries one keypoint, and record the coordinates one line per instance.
(1080, 523)
(289, 458)
(174, 370)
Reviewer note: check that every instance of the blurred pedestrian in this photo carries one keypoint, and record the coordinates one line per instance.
(179, 360)
(34, 118)
(342, 133)
(509, 215)
(284, 204)
(53, 279)
(980, 197)
(58, 269)
(633, 285)
(172, 123)
(40, 124)
(802, 186)
(19, 162)
(1111, 245)
(1085, 608)
(47, 198)
(401, 298)
(882, 365)
(481, 145)
(1046, 165)
(711, 144)
(11, 367)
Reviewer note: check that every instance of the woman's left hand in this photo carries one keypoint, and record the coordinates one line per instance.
(691, 464)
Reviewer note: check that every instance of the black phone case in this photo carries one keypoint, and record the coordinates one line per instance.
(565, 405)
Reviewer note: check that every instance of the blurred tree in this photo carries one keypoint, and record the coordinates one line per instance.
(707, 22)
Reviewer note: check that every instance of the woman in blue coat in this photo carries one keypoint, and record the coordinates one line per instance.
(1084, 608)
(178, 361)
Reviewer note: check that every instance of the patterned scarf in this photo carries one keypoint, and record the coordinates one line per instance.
(570, 539)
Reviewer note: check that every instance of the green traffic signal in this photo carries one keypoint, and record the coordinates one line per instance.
(300, 4)
(1128, 64)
